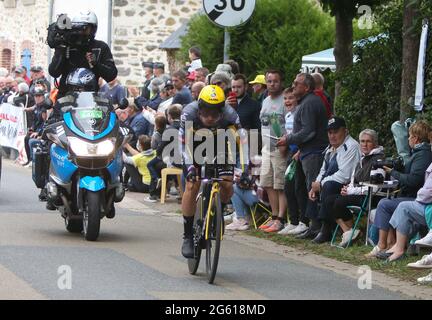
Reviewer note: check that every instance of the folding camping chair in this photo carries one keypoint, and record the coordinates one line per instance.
(355, 210)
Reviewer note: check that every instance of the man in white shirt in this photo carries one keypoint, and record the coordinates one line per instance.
(340, 160)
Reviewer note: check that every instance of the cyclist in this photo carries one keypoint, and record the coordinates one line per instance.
(210, 113)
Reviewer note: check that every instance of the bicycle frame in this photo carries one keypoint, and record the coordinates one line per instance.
(215, 189)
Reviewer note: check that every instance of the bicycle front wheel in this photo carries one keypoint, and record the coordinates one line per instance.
(214, 237)
(193, 263)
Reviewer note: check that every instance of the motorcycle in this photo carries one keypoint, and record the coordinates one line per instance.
(85, 162)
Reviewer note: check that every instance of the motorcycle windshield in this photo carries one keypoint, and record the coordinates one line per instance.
(90, 113)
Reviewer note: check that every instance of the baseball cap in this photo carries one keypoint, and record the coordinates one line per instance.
(19, 70)
(147, 64)
(158, 65)
(36, 69)
(336, 123)
(259, 79)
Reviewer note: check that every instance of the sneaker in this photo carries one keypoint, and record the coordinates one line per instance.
(425, 280)
(152, 199)
(238, 225)
(347, 235)
(374, 252)
(426, 241)
(424, 263)
(299, 229)
(230, 217)
(288, 227)
(266, 225)
(28, 164)
(275, 227)
(173, 191)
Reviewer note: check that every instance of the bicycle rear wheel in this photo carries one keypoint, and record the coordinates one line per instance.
(214, 237)
(193, 263)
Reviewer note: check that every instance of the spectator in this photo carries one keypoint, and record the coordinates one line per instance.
(406, 219)
(148, 75)
(259, 87)
(113, 91)
(324, 96)
(247, 108)
(156, 164)
(22, 97)
(196, 89)
(7, 90)
(273, 166)
(40, 116)
(136, 121)
(37, 76)
(183, 95)
(21, 72)
(156, 86)
(353, 194)
(136, 165)
(221, 79)
(159, 71)
(410, 181)
(295, 187)
(340, 160)
(167, 95)
(3, 72)
(173, 118)
(201, 74)
(310, 135)
(235, 68)
(243, 198)
(195, 59)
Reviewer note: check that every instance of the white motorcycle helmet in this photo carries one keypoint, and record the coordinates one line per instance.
(85, 19)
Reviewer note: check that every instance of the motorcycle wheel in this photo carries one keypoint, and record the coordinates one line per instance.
(91, 216)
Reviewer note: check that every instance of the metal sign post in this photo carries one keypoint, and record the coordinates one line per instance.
(227, 43)
(228, 13)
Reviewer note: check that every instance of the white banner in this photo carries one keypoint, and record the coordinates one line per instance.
(12, 127)
(419, 93)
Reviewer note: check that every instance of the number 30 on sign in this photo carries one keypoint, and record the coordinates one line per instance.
(229, 13)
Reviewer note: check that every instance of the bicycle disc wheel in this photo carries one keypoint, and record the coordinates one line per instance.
(214, 238)
(193, 263)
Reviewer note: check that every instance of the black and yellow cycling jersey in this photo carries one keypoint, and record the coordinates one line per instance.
(226, 135)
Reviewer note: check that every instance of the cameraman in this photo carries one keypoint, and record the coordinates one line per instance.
(82, 51)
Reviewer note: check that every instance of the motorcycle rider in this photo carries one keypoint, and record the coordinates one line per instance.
(85, 52)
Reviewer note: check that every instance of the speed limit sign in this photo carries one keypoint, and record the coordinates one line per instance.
(229, 13)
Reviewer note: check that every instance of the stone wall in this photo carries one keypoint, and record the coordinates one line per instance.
(140, 26)
(23, 26)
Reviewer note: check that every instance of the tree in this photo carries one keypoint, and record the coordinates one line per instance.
(344, 12)
(410, 47)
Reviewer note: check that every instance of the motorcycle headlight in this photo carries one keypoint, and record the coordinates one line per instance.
(86, 149)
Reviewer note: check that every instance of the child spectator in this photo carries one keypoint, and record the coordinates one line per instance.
(195, 58)
(136, 165)
(156, 165)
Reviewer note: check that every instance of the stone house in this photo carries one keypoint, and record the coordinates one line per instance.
(136, 29)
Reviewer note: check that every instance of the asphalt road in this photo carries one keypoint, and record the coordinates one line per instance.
(138, 256)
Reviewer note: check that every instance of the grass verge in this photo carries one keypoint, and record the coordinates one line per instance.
(353, 255)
